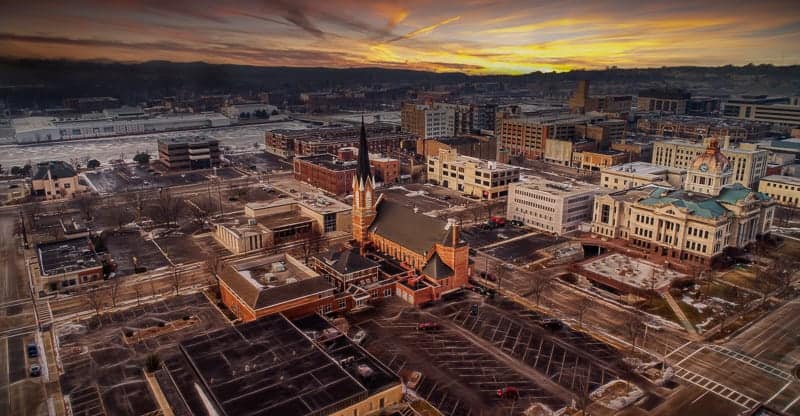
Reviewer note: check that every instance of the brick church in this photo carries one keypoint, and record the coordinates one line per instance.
(431, 251)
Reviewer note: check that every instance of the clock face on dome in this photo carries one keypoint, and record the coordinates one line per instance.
(703, 167)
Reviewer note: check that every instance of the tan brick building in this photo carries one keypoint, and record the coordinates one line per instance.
(55, 180)
(471, 176)
(785, 190)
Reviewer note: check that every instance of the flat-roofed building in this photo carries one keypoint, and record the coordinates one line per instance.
(65, 263)
(785, 190)
(551, 206)
(666, 100)
(638, 151)
(697, 128)
(384, 138)
(778, 111)
(601, 132)
(567, 152)
(748, 162)
(56, 180)
(599, 159)
(636, 174)
(325, 171)
(480, 146)
(482, 178)
(261, 285)
(189, 152)
(267, 224)
(274, 366)
(527, 137)
(436, 120)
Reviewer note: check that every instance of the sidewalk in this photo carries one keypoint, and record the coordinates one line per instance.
(676, 309)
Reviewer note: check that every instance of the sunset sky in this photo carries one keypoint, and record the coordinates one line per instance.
(472, 36)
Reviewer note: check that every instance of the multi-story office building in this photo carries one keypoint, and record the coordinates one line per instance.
(602, 132)
(748, 163)
(482, 147)
(636, 150)
(778, 111)
(582, 102)
(334, 173)
(550, 206)
(785, 190)
(567, 152)
(428, 121)
(665, 100)
(599, 159)
(483, 117)
(471, 176)
(55, 180)
(697, 128)
(189, 152)
(527, 137)
(384, 138)
(635, 174)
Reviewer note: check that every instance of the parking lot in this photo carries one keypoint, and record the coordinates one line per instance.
(261, 162)
(470, 357)
(103, 357)
(135, 177)
(525, 249)
(426, 198)
(478, 237)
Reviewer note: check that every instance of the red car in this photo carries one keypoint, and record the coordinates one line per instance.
(427, 326)
(508, 392)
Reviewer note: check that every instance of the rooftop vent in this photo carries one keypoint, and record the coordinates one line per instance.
(364, 371)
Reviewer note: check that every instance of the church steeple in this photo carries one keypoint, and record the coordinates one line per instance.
(364, 200)
(363, 171)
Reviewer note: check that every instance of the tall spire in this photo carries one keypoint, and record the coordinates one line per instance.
(363, 172)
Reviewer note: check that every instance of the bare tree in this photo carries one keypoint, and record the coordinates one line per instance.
(113, 291)
(501, 272)
(167, 208)
(87, 204)
(138, 290)
(581, 307)
(633, 328)
(313, 243)
(136, 201)
(176, 279)
(32, 211)
(121, 216)
(202, 208)
(96, 298)
(583, 394)
(539, 285)
(477, 212)
(214, 265)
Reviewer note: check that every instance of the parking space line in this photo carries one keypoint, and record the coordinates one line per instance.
(786, 409)
(778, 392)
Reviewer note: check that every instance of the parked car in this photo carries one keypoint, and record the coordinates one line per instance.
(33, 351)
(552, 324)
(508, 392)
(473, 310)
(36, 370)
(358, 338)
(427, 326)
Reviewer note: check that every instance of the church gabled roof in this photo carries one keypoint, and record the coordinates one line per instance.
(416, 232)
(363, 171)
(436, 268)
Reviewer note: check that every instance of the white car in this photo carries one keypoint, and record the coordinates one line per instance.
(358, 338)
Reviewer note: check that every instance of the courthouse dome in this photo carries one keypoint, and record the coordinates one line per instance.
(712, 160)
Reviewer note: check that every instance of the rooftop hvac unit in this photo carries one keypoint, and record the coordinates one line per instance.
(278, 267)
(364, 370)
(269, 277)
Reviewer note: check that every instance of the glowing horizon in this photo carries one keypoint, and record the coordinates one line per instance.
(470, 36)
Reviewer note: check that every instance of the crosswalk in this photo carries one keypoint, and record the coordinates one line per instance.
(750, 361)
(720, 390)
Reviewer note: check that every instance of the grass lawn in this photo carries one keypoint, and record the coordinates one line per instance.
(744, 277)
(694, 315)
(728, 293)
(658, 306)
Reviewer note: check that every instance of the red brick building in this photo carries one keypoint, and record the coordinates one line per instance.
(431, 251)
(334, 173)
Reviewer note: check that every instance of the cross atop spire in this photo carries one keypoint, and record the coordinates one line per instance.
(363, 172)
